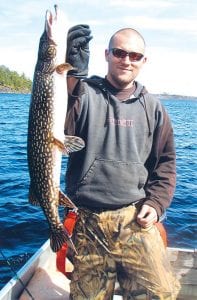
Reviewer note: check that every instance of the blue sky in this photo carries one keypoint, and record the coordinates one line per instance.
(168, 26)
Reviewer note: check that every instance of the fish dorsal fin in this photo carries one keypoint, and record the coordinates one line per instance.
(73, 143)
(32, 197)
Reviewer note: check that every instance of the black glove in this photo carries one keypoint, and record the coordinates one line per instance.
(78, 50)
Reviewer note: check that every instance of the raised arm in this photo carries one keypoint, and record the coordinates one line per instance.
(78, 53)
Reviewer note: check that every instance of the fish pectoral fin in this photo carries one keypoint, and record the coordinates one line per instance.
(73, 143)
(70, 144)
(63, 68)
(32, 197)
(66, 201)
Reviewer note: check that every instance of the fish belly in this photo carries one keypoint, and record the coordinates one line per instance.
(46, 128)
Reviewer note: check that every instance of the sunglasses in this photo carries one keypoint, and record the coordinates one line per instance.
(120, 53)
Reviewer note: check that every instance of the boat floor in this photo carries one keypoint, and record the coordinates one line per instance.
(44, 282)
(49, 284)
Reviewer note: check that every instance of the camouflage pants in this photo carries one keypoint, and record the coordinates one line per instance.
(113, 247)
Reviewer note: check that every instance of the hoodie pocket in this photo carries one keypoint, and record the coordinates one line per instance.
(115, 179)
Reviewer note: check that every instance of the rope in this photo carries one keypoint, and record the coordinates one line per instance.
(16, 274)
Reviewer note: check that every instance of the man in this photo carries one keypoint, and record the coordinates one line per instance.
(124, 179)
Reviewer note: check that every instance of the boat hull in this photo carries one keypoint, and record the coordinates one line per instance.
(43, 280)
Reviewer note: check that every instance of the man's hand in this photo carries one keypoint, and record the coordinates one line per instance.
(78, 52)
(147, 216)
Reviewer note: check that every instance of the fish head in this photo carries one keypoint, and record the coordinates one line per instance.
(56, 26)
(52, 46)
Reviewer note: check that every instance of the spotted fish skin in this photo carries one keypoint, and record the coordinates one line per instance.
(46, 140)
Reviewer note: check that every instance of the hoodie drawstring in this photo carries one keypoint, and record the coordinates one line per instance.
(143, 103)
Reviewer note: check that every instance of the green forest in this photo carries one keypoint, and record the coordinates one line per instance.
(11, 81)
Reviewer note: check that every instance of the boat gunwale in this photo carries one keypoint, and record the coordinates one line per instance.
(14, 287)
(24, 274)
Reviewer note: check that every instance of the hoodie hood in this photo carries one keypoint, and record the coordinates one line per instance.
(99, 82)
(139, 94)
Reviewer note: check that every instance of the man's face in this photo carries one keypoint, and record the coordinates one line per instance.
(122, 70)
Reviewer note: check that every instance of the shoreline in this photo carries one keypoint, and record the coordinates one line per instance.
(8, 90)
(159, 96)
(165, 96)
(172, 97)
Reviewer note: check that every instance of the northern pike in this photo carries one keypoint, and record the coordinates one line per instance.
(46, 140)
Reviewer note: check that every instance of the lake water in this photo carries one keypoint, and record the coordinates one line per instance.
(23, 228)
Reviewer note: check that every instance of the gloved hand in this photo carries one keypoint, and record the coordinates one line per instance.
(78, 50)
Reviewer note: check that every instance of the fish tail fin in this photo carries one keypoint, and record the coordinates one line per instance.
(66, 201)
(58, 237)
(73, 143)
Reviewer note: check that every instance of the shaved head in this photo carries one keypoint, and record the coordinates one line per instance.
(128, 32)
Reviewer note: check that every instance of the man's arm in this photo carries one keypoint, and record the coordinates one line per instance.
(162, 174)
(71, 84)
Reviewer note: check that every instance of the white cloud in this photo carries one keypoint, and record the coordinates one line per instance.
(142, 3)
(163, 23)
(170, 71)
(175, 24)
(20, 61)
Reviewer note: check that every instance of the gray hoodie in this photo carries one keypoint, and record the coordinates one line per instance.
(129, 153)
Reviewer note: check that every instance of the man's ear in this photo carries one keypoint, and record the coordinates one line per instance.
(106, 54)
(144, 59)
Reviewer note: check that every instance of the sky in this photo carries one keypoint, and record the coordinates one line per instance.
(168, 26)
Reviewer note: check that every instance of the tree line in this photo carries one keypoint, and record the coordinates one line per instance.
(13, 81)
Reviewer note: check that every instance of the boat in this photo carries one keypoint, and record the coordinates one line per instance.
(39, 278)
